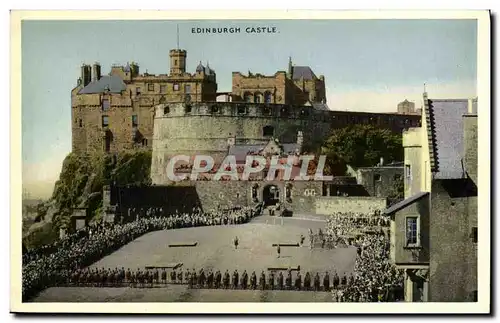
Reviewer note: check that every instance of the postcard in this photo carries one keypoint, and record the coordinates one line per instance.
(276, 162)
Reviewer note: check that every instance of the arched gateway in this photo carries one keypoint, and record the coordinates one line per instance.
(271, 195)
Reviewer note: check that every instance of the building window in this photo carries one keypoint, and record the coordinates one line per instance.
(176, 86)
(242, 109)
(105, 121)
(411, 231)
(256, 98)
(377, 178)
(105, 105)
(175, 62)
(268, 131)
(187, 88)
(266, 111)
(144, 142)
(151, 87)
(187, 108)
(137, 91)
(163, 88)
(267, 97)
(474, 234)
(214, 109)
(166, 110)
(135, 122)
(408, 171)
(247, 97)
(80, 123)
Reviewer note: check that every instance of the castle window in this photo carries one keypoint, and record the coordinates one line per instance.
(187, 88)
(247, 97)
(214, 109)
(176, 86)
(256, 98)
(135, 122)
(151, 87)
(105, 105)
(268, 131)
(166, 110)
(266, 111)
(267, 97)
(80, 122)
(163, 88)
(144, 142)
(137, 91)
(377, 178)
(411, 231)
(105, 121)
(408, 171)
(175, 62)
(187, 108)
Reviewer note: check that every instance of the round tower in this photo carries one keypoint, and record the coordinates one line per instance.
(178, 61)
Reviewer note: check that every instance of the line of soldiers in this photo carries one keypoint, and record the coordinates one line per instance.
(210, 279)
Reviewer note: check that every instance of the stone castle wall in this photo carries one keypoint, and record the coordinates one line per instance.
(331, 204)
(206, 128)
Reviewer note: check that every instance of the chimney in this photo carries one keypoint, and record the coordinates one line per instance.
(96, 72)
(381, 161)
(470, 107)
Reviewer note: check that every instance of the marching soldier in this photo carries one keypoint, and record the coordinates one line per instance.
(218, 278)
(210, 279)
(280, 280)
(202, 279)
(180, 277)
(244, 280)
(351, 279)
(326, 282)
(194, 278)
(289, 280)
(262, 280)
(302, 238)
(271, 280)
(336, 280)
(235, 279)
(173, 276)
(164, 276)
(298, 281)
(236, 242)
(344, 280)
(253, 280)
(316, 282)
(226, 279)
(307, 281)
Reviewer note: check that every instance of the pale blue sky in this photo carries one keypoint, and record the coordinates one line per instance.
(369, 65)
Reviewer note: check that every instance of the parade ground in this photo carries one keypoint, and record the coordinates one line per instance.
(215, 250)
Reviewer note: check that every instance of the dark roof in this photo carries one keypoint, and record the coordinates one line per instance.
(205, 69)
(447, 137)
(290, 148)
(111, 82)
(404, 203)
(303, 71)
(320, 106)
(241, 151)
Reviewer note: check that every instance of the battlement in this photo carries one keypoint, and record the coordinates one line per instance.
(258, 75)
(241, 110)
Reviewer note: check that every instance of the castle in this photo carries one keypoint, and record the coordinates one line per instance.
(181, 111)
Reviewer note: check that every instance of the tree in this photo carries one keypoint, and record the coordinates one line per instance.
(363, 145)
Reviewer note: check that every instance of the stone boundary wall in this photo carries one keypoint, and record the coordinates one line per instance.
(360, 204)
